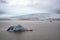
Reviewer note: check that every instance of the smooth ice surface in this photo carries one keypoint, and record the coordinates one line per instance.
(18, 28)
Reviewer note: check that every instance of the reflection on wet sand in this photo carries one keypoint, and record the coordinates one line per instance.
(42, 30)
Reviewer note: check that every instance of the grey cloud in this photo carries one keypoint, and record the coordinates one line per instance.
(2, 12)
(3, 1)
(2, 7)
(50, 5)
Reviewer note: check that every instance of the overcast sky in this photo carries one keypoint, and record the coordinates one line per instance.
(9, 8)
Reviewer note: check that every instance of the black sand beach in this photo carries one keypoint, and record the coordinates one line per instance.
(42, 30)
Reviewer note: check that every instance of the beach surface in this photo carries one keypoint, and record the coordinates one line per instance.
(42, 30)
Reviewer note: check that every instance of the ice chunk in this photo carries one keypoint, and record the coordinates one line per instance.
(18, 28)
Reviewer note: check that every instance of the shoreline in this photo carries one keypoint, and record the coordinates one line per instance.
(28, 21)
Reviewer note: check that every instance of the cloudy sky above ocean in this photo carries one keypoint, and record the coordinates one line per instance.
(9, 8)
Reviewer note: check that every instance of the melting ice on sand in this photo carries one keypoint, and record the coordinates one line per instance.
(18, 28)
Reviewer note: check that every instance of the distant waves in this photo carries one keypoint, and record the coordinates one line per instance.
(35, 17)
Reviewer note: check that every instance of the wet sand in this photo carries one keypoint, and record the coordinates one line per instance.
(42, 30)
